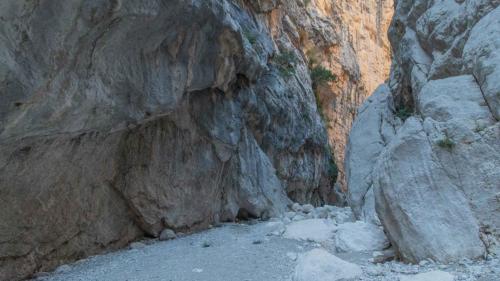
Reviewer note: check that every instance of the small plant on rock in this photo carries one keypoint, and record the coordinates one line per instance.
(251, 37)
(333, 170)
(285, 62)
(321, 76)
(403, 113)
(446, 143)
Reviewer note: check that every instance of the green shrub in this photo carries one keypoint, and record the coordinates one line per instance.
(251, 37)
(404, 113)
(285, 62)
(321, 76)
(446, 143)
(332, 167)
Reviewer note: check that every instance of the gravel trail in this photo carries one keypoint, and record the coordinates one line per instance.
(259, 251)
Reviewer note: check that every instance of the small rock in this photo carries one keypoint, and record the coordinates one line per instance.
(319, 265)
(167, 234)
(298, 218)
(375, 272)
(197, 270)
(360, 236)
(63, 269)
(296, 207)
(307, 208)
(423, 263)
(383, 256)
(137, 245)
(316, 230)
(429, 276)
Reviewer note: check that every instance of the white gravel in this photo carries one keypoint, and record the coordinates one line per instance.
(253, 252)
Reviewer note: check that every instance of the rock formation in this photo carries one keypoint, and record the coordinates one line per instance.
(119, 119)
(424, 153)
(350, 39)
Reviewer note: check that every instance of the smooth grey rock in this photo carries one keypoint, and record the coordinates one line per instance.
(434, 180)
(371, 130)
(458, 98)
(319, 265)
(424, 213)
(167, 234)
(137, 245)
(360, 237)
(482, 54)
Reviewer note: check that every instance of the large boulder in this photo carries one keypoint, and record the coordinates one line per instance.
(320, 265)
(373, 128)
(360, 237)
(424, 213)
(435, 181)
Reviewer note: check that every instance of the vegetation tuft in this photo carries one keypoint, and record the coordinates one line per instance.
(333, 170)
(321, 76)
(404, 113)
(251, 37)
(285, 62)
(446, 143)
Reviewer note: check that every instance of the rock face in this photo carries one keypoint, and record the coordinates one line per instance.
(350, 39)
(424, 153)
(119, 119)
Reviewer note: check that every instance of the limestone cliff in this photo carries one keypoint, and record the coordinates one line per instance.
(424, 152)
(121, 118)
(350, 39)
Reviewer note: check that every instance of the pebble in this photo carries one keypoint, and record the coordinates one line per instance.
(167, 234)
(137, 245)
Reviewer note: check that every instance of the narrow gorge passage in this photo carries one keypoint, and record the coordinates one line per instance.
(301, 140)
(308, 244)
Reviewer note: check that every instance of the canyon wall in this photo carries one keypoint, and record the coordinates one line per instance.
(350, 39)
(423, 157)
(120, 118)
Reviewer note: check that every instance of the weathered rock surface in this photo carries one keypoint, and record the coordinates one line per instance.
(350, 39)
(119, 119)
(317, 230)
(374, 127)
(320, 265)
(360, 237)
(435, 176)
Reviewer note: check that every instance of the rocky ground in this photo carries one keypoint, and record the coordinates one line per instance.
(306, 244)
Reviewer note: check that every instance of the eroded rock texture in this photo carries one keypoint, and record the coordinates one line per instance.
(424, 153)
(121, 118)
(350, 39)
